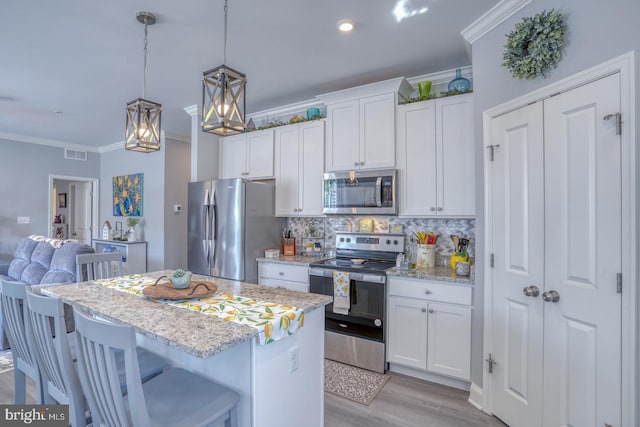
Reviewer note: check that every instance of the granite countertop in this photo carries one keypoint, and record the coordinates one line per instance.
(294, 260)
(441, 274)
(190, 331)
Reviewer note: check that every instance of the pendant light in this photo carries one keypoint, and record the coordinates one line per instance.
(142, 132)
(223, 90)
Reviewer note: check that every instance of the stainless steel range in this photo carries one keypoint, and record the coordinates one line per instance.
(356, 335)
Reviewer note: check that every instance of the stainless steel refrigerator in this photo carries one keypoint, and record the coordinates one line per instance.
(231, 223)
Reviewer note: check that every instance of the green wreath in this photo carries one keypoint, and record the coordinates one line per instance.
(535, 45)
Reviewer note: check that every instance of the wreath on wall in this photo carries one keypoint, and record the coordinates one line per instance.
(534, 47)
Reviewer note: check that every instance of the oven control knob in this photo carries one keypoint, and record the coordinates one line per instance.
(395, 242)
(342, 239)
(348, 240)
(377, 322)
(388, 242)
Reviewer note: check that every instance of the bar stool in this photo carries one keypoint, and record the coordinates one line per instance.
(19, 333)
(98, 266)
(174, 398)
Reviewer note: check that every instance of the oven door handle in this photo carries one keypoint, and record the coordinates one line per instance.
(370, 278)
(379, 191)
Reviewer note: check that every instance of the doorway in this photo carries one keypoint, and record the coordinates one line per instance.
(73, 207)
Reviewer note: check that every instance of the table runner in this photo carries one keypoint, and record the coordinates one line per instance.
(273, 321)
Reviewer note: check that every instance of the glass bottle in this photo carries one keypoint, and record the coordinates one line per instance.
(459, 84)
(412, 253)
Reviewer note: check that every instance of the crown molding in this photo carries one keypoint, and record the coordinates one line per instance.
(441, 77)
(285, 109)
(492, 18)
(192, 110)
(48, 142)
(112, 147)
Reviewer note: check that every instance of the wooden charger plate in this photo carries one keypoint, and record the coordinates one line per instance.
(166, 290)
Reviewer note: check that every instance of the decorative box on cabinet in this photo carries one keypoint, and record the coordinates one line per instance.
(435, 157)
(299, 165)
(429, 330)
(292, 277)
(134, 254)
(248, 155)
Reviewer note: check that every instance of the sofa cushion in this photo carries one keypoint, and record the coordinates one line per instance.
(63, 263)
(22, 258)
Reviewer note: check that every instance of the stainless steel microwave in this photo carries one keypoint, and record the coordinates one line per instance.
(371, 192)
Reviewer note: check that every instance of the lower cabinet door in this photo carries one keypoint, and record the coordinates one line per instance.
(449, 340)
(407, 332)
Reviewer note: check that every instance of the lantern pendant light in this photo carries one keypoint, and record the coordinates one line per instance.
(142, 132)
(223, 92)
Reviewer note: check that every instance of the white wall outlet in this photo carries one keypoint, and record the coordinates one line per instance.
(24, 220)
(177, 209)
(294, 360)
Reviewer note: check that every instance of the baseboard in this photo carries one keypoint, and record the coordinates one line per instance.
(475, 396)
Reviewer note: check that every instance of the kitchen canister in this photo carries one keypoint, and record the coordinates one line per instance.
(426, 256)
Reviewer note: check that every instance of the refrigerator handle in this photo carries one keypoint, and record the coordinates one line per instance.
(212, 230)
(205, 220)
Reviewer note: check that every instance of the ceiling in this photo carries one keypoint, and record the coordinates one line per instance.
(70, 66)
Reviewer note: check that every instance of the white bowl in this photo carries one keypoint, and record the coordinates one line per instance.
(358, 260)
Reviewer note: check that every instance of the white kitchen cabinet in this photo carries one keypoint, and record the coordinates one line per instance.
(429, 328)
(435, 157)
(299, 165)
(134, 254)
(248, 155)
(360, 133)
(292, 277)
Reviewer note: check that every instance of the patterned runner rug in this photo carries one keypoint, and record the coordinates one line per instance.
(6, 361)
(359, 385)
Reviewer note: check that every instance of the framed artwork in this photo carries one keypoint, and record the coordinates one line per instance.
(127, 195)
(62, 200)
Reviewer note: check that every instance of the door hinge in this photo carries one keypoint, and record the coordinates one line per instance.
(491, 363)
(491, 263)
(619, 283)
(492, 148)
(618, 117)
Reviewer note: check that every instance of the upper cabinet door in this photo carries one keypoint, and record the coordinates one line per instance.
(233, 156)
(377, 131)
(456, 158)
(260, 154)
(343, 136)
(416, 158)
(312, 168)
(287, 170)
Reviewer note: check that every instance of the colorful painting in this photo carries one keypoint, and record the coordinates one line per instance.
(127, 195)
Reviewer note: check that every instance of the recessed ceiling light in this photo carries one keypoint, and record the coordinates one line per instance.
(345, 25)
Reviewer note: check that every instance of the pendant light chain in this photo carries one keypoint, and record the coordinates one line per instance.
(226, 10)
(144, 81)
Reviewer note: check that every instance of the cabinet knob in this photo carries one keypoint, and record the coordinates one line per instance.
(281, 273)
(355, 163)
(361, 163)
(431, 310)
(432, 209)
(427, 292)
(440, 209)
(424, 310)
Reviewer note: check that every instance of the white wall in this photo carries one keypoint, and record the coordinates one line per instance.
(597, 32)
(177, 173)
(24, 187)
(122, 162)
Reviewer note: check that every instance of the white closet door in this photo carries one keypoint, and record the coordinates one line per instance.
(582, 358)
(517, 191)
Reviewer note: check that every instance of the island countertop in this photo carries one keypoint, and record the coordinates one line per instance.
(192, 332)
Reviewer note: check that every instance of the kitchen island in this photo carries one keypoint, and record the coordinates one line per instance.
(280, 383)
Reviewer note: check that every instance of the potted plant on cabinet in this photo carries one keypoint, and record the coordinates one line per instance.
(132, 235)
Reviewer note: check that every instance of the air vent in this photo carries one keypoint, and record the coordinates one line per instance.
(75, 154)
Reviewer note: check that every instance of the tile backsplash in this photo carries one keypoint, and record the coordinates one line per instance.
(323, 230)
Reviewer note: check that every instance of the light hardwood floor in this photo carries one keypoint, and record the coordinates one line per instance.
(408, 402)
(403, 402)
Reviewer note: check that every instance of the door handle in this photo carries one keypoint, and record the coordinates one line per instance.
(531, 291)
(551, 296)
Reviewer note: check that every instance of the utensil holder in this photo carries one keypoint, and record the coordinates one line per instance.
(289, 246)
(426, 256)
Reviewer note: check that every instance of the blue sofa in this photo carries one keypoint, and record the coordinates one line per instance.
(41, 260)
